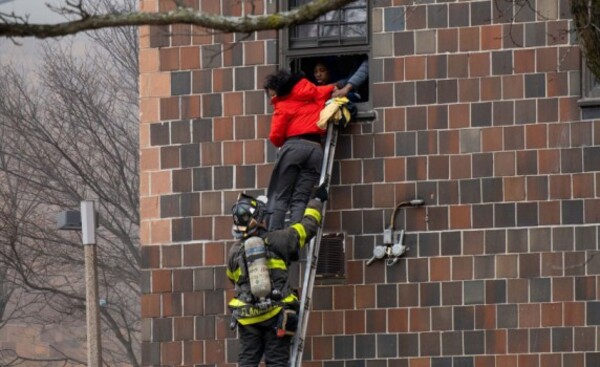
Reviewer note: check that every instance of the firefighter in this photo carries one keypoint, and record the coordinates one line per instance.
(265, 307)
(297, 104)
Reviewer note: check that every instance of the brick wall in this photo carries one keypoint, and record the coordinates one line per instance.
(476, 114)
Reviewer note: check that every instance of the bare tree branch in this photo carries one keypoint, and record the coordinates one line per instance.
(15, 26)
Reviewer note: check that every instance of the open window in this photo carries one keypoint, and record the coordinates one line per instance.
(340, 40)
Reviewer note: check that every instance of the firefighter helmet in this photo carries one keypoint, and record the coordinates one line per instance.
(248, 213)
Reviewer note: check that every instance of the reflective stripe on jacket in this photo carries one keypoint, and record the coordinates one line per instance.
(282, 248)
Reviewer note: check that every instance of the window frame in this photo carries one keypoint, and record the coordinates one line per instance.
(589, 103)
(287, 54)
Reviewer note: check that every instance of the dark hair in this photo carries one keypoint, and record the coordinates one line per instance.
(282, 82)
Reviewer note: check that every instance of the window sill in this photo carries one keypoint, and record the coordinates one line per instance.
(365, 115)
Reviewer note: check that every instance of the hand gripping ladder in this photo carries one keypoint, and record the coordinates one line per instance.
(312, 255)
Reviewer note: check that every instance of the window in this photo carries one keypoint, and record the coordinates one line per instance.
(346, 26)
(339, 39)
(590, 93)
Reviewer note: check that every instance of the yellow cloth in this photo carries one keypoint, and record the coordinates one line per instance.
(335, 110)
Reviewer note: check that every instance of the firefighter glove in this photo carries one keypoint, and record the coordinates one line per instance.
(321, 192)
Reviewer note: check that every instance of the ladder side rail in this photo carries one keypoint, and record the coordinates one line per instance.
(313, 253)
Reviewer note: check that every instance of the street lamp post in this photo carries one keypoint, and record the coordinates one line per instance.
(85, 220)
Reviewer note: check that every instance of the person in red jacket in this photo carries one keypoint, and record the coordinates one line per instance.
(297, 104)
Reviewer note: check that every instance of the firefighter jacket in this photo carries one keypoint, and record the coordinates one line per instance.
(282, 247)
(297, 113)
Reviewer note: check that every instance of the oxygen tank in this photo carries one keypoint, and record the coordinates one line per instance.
(256, 258)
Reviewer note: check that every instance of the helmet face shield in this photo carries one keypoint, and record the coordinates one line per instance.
(247, 213)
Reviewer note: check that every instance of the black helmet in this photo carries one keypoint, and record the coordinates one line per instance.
(248, 213)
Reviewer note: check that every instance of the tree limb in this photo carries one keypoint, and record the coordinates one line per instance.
(13, 26)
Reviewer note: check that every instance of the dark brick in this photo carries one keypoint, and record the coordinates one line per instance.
(343, 347)
(535, 35)
(386, 296)
(502, 62)
(202, 179)
(447, 91)
(169, 206)
(181, 229)
(416, 118)
(474, 342)
(481, 114)
(529, 265)
(387, 346)
(470, 191)
(365, 346)
(495, 291)
(162, 330)
(159, 134)
(430, 294)
(393, 19)
(585, 288)
(244, 78)
(481, 13)
(223, 177)
(483, 165)
(452, 343)
(484, 267)
(211, 105)
(586, 238)
(202, 131)
(527, 214)
(211, 56)
(409, 345)
(518, 341)
(181, 83)
(458, 14)
(483, 216)
(160, 36)
(540, 290)
(452, 293)
(535, 85)
(473, 292)
(504, 215)
(572, 211)
(451, 243)
(539, 340)
(516, 240)
(590, 159)
(404, 43)
(464, 318)
(495, 242)
(562, 339)
(430, 344)
(408, 295)
(562, 239)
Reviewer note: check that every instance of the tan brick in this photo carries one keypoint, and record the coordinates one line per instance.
(160, 183)
(149, 207)
(160, 231)
(155, 85)
(144, 232)
(149, 110)
(148, 60)
(149, 159)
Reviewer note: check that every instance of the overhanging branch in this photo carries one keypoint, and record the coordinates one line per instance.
(13, 27)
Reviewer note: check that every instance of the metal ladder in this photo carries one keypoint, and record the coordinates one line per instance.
(312, 255)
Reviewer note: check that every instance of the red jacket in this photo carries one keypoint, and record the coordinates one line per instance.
(297, 113)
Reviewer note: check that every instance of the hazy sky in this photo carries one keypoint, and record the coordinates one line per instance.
(25, 53)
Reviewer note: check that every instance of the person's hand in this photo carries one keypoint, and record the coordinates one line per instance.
(341, 92)
(321, 194)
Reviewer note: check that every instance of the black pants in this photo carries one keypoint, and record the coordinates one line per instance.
(296, 172)
(261, 339)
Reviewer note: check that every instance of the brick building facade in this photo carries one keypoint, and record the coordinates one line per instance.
(476, 107)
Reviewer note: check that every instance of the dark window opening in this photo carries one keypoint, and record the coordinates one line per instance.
(341, 69)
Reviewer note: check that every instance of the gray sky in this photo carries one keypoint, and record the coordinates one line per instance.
(26, 52)
(36, 9)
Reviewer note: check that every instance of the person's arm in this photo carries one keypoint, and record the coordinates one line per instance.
(356, 80)
(279, 123)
